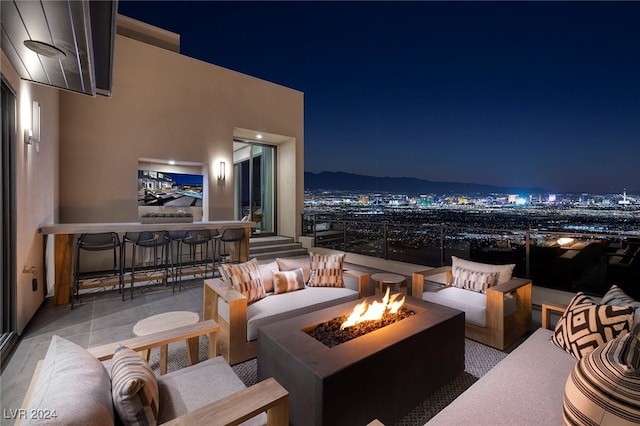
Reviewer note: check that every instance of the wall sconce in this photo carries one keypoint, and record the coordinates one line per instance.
(32, 134)
(222, 171)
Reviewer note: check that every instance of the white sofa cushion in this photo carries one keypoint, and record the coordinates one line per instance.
(188, 389)
(278, 307)
(73, 384)
(473, 304)
(525, 388)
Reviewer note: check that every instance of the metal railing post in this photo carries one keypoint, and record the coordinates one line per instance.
(527, 254)
(344, 236)
(384, 241)
(442, 244)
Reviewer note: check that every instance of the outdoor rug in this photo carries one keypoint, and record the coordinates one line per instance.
(479, 359)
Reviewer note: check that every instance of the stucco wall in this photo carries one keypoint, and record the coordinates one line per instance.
(36, 188)
(169, 106)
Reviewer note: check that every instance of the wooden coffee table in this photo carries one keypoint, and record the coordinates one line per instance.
(167, 321)
(386, 280)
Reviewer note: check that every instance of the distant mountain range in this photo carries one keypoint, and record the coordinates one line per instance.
(341, 181)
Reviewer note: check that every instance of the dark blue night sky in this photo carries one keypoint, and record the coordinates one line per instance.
(527, 94)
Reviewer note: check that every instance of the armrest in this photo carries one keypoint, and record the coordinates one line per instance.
(547, 308)
(267, 395)
(511, 285)
(140, 343)
(30, 390)
(363, 281)
(215, 288)
(418, 279)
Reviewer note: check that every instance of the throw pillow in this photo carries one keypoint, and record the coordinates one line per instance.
(617, 297)
(326, 270)
(246, 279)
(585, 325)
(266, 272)
(284, 281)
(74, 384)
(134, 388)
(475, 280)
(604, 386)
(504, 271)
(291, 264)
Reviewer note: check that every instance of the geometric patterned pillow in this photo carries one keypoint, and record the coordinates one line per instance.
(246, 279)
(326, 270)
(585, 325)
(134, 388)
(284, 281)
(504, 271)
(604, 386)
(475, 280)
(617, 297)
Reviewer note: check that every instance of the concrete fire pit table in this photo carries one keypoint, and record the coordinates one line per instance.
(383, 374)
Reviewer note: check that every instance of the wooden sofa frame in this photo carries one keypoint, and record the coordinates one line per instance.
(266, 396)
(500, 330)
(233, 345)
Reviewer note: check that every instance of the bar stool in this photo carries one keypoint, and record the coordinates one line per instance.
(197, 240)
(149, 242)
(175, 239)
(230, 236)
(96, 242)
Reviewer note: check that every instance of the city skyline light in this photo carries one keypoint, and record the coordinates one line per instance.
(522, 94)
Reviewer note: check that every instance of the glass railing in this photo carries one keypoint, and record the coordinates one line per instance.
(568, 261)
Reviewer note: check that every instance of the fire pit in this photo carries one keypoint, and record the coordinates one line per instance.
(382, 374)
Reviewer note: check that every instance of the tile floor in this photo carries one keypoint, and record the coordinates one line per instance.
(99, 318)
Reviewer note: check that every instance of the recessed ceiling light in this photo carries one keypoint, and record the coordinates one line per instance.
(259, 136)
(44, 49)
(172, 162)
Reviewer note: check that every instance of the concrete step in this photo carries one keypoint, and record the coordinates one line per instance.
(273, 247)
(282, 253)
(267, 241)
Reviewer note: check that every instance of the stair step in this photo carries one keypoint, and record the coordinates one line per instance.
(273, 247)
(267, 241)
(282, 253)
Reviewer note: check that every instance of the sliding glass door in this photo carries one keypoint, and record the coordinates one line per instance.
(255, 186)
(8, 226)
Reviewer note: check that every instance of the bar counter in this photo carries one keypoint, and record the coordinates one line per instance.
(64, 240)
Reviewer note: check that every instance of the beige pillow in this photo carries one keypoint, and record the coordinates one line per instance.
(284, 281)
(475, 280)
(246, 279)
(291, 264)
(504, 270)
(266, 272)
(134, 388)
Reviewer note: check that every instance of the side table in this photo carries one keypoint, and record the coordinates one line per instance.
(167, 321)
(386, 279)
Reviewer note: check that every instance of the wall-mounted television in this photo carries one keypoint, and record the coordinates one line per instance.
(170, 192)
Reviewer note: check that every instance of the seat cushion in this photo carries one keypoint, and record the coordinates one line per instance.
(74, 384)
(473, 304)
(134, 388)
(585, 325)
(278, 307)
(190, 388)
(604, 386)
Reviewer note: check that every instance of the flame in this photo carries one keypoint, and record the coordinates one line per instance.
(365, 312)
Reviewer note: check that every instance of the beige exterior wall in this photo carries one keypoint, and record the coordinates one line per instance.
(164, 106)
(169, 106)
(36, 188)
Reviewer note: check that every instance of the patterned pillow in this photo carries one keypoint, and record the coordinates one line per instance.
(284, 281)
(504, 271)
(246, 279)
(326, 270)
(617, 297)
(291, 264)
(604, 386)
(134, 388)
(585, 325)
(475, 280)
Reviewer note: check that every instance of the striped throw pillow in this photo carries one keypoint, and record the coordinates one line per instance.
(134, 388)
(246, 279)
(604, 386)
(475, 280)
(585, 325)
(284, 281)
(326, 270)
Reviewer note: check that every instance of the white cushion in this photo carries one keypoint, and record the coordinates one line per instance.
(266, 271)
(472, 303)
(504, 270)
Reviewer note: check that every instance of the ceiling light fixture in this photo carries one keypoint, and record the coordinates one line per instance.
(259, 136)
(45, 49)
